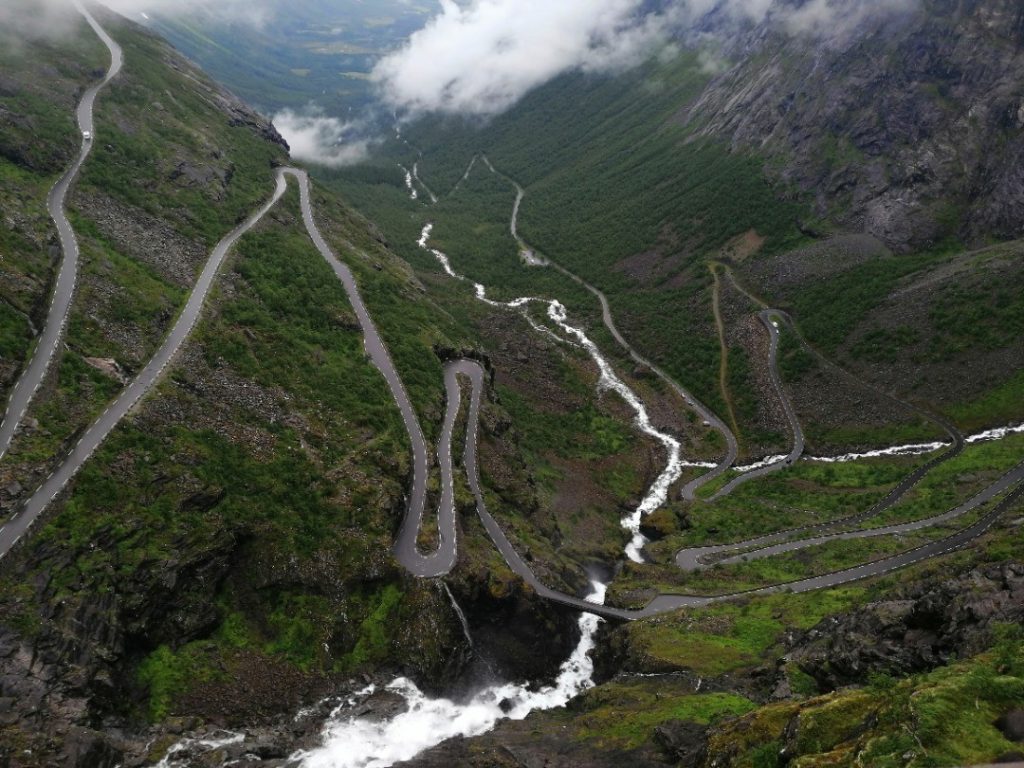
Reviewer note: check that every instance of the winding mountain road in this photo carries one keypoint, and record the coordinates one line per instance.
(130, 395)
(440, 562)
(1011, 481)
(443, 560)
(64, 287)
(999, 487)
(696, 558)
(768, 319)
(1011, 484)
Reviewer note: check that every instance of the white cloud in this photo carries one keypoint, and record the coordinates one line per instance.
(315, 138)
(483, 58)
(36, 20)
(484, 55)
(833, 18)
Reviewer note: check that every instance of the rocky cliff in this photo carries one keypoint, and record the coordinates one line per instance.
(905, 125)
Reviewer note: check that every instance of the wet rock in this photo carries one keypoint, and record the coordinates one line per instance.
(924, 626)
(662, 523)
(1012, 725)
(882, 88)
(107, 365)
(1010, 758)
(683, 742)
(198, 176)
(86, 748)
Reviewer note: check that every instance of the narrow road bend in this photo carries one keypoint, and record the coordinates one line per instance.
(768, 319)
(130, 395)
(49, 340)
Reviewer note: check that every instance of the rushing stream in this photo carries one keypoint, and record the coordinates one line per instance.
(410, 187)
(351, 742)
(657, 494)
(910, 449)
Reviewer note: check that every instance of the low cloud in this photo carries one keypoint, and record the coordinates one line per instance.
(481, 57)
(832, 18)
(22, 20)
(315, 138)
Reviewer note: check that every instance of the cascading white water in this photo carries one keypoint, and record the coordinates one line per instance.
(460, 614)
(996, 434)
(184, 752)
(408, 183)
(657, 494)
(351, 742)
(909, 449)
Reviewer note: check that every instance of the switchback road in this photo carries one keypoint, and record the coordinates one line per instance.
(48, 343)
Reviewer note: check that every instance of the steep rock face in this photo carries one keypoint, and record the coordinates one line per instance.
(906, 126)
(919, 629)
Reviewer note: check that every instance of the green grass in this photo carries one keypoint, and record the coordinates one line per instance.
(827, 311)
(941, 718)
(624, 715)
(813, 493)
(962, 312)
(140, 166)
(955, 481)
(732, 636)
(38, 139)
(275, 442)
(999, 405)
(807, 492)
(614, 177)
(375, 632)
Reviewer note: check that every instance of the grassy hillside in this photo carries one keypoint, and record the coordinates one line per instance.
(621, 193)
(226, 554)
(38, 138)
(940, 327)
(629, 188)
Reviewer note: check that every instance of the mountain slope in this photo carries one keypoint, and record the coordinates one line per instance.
(241, 518)
(905, 127)
(225, 559)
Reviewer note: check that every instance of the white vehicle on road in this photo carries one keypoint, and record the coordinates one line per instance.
(87, 135)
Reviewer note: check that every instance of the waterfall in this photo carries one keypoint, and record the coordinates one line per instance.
(460, 614)
(351, 742)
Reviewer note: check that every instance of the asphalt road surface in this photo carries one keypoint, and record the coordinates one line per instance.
(695, 558)
(769, 320)
(64, 287)
(442, 560)
(709, 417)
(472, 371)
(122, 405)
